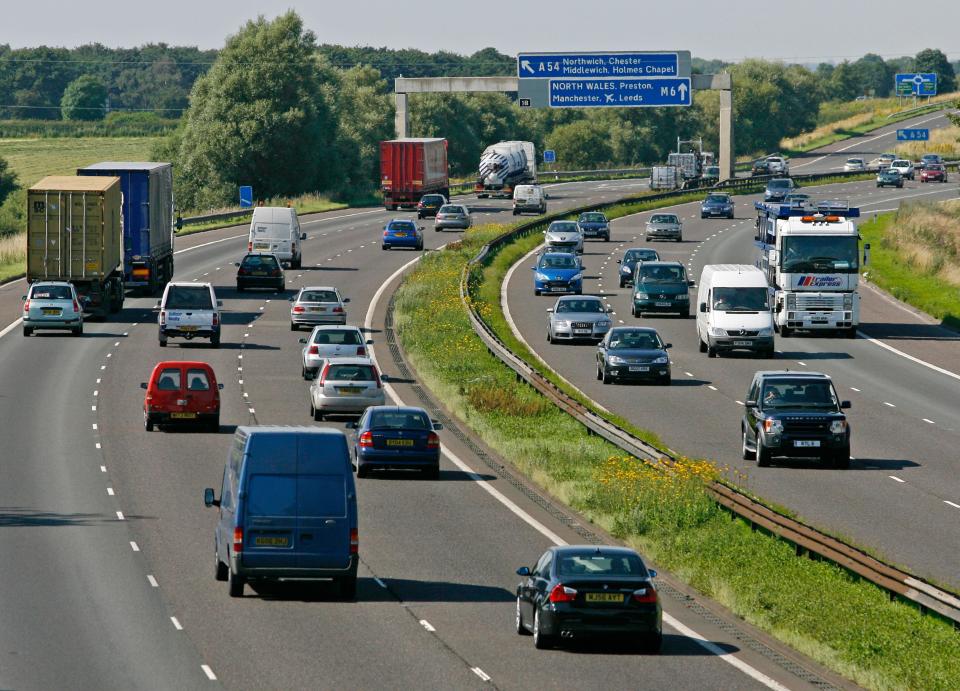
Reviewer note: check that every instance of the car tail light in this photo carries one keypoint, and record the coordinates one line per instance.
(313, 350)
(76, 306)
(277, 272)
(562, 593)
(216, 319)
(241, 271)
(433, 441)
(323, 374)
(26, 305)
(361, 351)
(298, 309)
(249, 247)
(338, 310)
(366, 440)
(376, 374)
(646, 595)
(237, 540)
(386, 233)
(354, 541)
(163, 318)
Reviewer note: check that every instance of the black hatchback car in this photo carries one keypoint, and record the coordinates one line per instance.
(259, 271)
(579, 591)
(795, 415)
(633, 353)
(430, 204)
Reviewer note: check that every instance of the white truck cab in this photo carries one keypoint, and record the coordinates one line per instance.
(276, 230)
(733, 310)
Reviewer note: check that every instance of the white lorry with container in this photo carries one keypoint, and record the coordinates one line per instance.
(733, 310)
(811, 258)
(276, 230)
(505, 165)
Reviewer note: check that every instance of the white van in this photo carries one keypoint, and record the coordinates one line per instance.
(276, 230)
(529, 198)
(733, 310)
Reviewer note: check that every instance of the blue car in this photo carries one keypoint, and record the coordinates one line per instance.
(717, 205)
(557, 272)
(401, 232)
(594, 225)
(391, 437)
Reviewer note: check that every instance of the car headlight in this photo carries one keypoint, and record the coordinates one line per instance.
(603, 323)
(662, 360)
(625, 269)
(765, 331)
(773, 426)
(682, 297)
(838, 427)
(576, 277)
(542, 277)
(562, 324)
(848, 301)
(714, 331)
(616, 360)
(641, 296)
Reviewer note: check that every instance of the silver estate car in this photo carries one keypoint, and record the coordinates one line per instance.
(453, 216)
(331, 341)
(52, 305)
(345, 386)
(664, 227)
(576, 317)
(317, 305)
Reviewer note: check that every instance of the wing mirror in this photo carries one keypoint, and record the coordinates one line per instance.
(750, 403)
(619, 261)
(351, 425)
(550, 310)
(667, 346)
(236, 263)
(369, 341)
(653, 574)
(845, 405)
(219, 303)
(703, 307)
(523, 571)
(303, 236)
(303, 340)
(220, 386)
(290, 299)
(209, 498)
(437, 425)
(346, 300)
(422, 227)
(156, 308)
(143, 385)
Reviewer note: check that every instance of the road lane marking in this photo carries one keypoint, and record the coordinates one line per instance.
(110, 491)
(119, 515)
(889, 404)
(480, 673)
(956, 506)
(854, 388)
(152, 581)
(902, 354)
(380, 583)
(176, 624)
(894, 477)
(712, 387)
(929, 421)
(134, 546)
(209, 672)
(97, 445)
(427, 625)
(103, 468)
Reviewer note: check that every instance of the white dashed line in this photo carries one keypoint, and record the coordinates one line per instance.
(929, 421)
(96, 393)
(152, 581)
(889, 404)
(739, 402)
(480, 673)
(103, 468)
(134, 546)
(380, 583)
(803, 364)
(711, 387)
(895, 478)
(252, 411)
(109, 354)
(94, 425)
(119, 515)
(98, 380)
(110, 491)
(97, 444)
(427, 625)
(854, 388)
(116, 344)
(103, 367)
(689, 374)
(176, 624)
(956, 506)
(93, 408)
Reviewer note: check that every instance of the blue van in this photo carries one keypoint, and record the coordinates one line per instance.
(288, 509)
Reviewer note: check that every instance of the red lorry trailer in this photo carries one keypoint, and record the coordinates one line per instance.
(411, 168)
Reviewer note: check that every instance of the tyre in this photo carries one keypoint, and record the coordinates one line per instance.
(599, 373)
(317, 413)
(348, 588)
(433, 472)
(622, 283)
(363, 471)
(518, 621)
(27, 331)
(785, 332)
(549, 337)
(384, 247)
(703, 346)
(606, 377)
(239, 288)
(221, 570)
(679, 238)
(851, 332)
(147, 422)
(215, 340)
(214, 424)
(841, 459)
(420, 247)
(163, 341)
(541, 641)
(294, 327)
(763, 454)
(536, 292)
(768, 354)
(633, 310)
(235, 583)
(78, 331)
(745, 453)
(711, 351)
(652, 642)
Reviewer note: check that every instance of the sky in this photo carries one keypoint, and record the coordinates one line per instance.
(805, 31)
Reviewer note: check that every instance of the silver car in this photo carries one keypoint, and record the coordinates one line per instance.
(854, 164)
(317, 305)
(453, 216)
(564, 236)
(331, 341)
(52, 305)
(578, 318)
(664, 227)
(345, 386)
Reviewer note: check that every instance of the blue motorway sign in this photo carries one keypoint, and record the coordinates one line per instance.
(549, 156)
(246, 197)
(602, 65)
(916, 84)
(914, 135)
(619, 93)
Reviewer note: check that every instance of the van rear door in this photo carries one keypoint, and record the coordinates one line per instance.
(326, 503)
(270, 513)
(274, 238)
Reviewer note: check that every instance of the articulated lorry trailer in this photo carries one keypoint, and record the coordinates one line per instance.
(75, 234)
(411, 168)
(505, 165)
(811, 257)
(148, 221)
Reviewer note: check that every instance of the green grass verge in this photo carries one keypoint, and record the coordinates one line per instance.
(925, 291)
(11, 271)
(848, 625)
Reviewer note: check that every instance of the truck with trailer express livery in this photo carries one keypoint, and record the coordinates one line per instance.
(148, 221)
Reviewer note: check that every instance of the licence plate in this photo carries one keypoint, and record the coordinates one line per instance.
(261, 245)
(50, 310)
(271, 541)
(743, 343)
(807, 443)
(399, 235)
(188, 328)
(604, 597)
(399, 442)
(349, 389)
(259, 273)
(318, 309)
(581, 331)
(558, 289)
(637, 368)
(662, 304)
(183, 416)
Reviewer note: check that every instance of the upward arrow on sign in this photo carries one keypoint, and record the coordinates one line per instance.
(683, 91)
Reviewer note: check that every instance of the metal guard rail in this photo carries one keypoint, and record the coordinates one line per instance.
(806, 540)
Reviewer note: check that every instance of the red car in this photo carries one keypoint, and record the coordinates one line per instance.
(182, 392)
(933, 171)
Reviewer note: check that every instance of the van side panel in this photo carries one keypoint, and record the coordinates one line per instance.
(268, 513)
(326, 502)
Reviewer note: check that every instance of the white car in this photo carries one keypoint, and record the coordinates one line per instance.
(904, 167)
(854, 164)
(777, 165)
(564, 236)
(317, 305)
(189, 310)
(328, 341)
(345, 386)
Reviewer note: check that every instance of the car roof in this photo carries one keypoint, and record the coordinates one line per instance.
(349, 360)
(334, 327)
(645, 329)
(789, 374)
(51, 283)
(570, 298)
(184, 363)
(663, 263)
(602, 549)
(399, 409)
(406, 220)
(261, 254)
(318, 288)
(189, 284)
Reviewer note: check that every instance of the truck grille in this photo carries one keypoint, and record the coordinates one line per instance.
(806, 426)
(820, 302)
(742, 332)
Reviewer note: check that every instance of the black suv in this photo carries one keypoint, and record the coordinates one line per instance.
(795, 415)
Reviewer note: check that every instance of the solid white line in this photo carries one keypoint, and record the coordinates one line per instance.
(176, 624)
(902, 354)
(152, 581)
(11, 327)
(480, 673)
(956, 506)
(427, 625)
(894, 477)
(539, 527)
(209, 672)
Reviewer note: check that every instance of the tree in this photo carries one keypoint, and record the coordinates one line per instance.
(364, 112)
(85, 98)
(260, 116)
(584, 144)
(932, 60)
(8, 181)
(845, 83)
(874, 75)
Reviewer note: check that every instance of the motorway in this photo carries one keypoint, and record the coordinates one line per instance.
(901, 496)
(109, 577)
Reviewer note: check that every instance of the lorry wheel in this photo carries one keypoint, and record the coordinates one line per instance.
(785, 332)
(851, 332)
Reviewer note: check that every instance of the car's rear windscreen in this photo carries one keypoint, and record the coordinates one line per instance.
(51, 293)
(318, 296)
(342, 337)
(350, 373)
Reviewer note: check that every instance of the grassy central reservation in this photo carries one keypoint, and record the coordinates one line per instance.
(850, 626)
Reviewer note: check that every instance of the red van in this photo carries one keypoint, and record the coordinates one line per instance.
(182, 392)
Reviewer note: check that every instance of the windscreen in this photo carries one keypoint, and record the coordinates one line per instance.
(741, 299)
(779, 184)
(188, 298)
(558, 261)
(350, 373)
(825, 254)
(399, 419)
(563, 227)
(403, 225)
(451, 209)
(717, 199)
(662, 274)
(337, 337)
(594, 564)
(580, 306)
(640, 340)
(259, 261)
(593, 218)
(318, 296)
(798, 393)
(641, 256)
(664, 218)
(51, 293)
